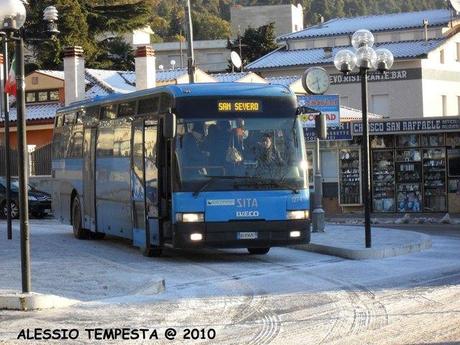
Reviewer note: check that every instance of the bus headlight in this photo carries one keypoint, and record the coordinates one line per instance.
(295, 234)
(196, 237)
(299, 214)
(190, 217)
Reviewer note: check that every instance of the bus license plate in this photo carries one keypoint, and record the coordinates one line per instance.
(247, 235)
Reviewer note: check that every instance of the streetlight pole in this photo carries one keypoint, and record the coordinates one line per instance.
(366, 159)
(190, 53)
(12, 18)
(22, 167)
(6, 109)
(365, 58)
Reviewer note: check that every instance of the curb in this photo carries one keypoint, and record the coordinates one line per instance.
(33, 301)
(369, 253)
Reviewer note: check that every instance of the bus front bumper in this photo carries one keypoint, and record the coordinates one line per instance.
(234, 234)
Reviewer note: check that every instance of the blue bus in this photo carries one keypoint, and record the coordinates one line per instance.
(184, 166)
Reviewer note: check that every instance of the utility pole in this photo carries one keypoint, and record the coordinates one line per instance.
(189, 33)
(181, 51)
(6, 109)
(240, 47)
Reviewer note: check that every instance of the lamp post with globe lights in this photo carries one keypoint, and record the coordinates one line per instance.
(366, 59)
(12, 18)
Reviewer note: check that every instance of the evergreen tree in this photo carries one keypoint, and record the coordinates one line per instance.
(257, 42)
(209, 27)
(81, 23)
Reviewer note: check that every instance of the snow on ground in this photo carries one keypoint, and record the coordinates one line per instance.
(286, 297)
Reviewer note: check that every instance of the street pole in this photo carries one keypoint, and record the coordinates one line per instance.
(366, 160)
(189, 33)
(6, 108)
(240, 47)
(22, 164)
(318, 212)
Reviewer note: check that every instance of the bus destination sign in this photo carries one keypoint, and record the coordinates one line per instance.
(239, 106)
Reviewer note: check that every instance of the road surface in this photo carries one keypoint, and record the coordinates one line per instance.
(285, 297)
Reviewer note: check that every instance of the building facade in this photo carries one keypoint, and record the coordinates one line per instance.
(287, 18)
(423, 81)
(210, 55)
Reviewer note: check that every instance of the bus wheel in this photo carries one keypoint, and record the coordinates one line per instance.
(152, 251)
(97, 235)
(78, 231)
(259, 251)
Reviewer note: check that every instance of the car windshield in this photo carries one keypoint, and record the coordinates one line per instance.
(228, 154)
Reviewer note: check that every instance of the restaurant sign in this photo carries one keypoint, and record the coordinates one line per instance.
(392, 75)
(400, 126)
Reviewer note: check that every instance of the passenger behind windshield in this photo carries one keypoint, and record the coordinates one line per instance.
(252, 148)
(268, 157)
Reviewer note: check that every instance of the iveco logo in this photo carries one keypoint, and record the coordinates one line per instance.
(242, 214)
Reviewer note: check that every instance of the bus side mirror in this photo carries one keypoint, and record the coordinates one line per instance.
(169, 129)
(321, 126)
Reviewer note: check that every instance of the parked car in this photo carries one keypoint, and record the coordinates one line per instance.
(39, 202)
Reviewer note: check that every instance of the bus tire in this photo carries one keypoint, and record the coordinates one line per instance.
(258, 251)
(152, 251)
(97, 235)
(78, 231)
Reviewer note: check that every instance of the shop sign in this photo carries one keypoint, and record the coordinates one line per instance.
(327, 104)
(400, 126)
(392, 75)
(342, 132)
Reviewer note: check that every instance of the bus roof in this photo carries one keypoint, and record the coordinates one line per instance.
(192, 90)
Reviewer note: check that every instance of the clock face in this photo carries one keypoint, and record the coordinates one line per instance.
(317, 80)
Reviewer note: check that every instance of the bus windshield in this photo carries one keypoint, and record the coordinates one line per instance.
(242, 153)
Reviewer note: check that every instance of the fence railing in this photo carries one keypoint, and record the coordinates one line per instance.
(39, 161)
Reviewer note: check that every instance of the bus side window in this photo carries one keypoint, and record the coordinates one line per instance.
(127, 109)
(76, 143)
(93, 112)
(122, 140)
(165, 103)
(109, 112)
(69, 119)
(149, 105)
(104, 146)
(59, 121)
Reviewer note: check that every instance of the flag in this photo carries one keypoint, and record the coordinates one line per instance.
(10, 85)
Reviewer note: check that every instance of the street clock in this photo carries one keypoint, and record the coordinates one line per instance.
(315, 81)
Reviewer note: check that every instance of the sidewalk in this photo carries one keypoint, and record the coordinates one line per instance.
(68, 271)
(349, 242)
(395, 218)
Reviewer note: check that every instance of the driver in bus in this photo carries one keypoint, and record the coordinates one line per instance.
(191, 143)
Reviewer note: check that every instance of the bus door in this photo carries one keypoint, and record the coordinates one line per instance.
(89, 195)
(144, 184)
(151, 182)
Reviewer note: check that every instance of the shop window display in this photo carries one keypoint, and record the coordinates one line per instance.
(350, 177)
(383, 177)
(408, 180)
(453, 140)
(408, 140)
(381, 141)
(434, 174)
(432, 140)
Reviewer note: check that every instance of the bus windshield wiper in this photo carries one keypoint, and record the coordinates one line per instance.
(213, 178)
(277, 184)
